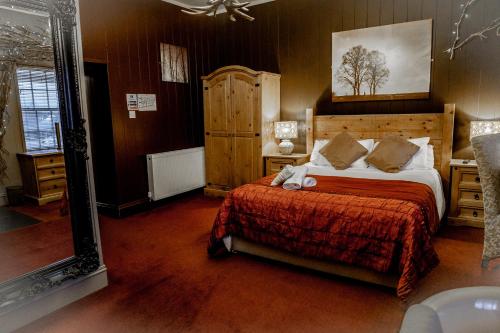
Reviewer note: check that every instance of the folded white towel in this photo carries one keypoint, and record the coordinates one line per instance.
(295, 182)
(309, 182)
(284, 174)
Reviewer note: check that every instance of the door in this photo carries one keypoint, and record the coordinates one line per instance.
(246, 142)
(218, 131)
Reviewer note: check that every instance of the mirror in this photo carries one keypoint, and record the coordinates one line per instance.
(47, 214)
(35, 226)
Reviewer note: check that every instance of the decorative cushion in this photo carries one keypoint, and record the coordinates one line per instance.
(392, 153)
(342, 151)
(320, 160)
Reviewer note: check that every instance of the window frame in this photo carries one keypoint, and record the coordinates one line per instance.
(20, 108)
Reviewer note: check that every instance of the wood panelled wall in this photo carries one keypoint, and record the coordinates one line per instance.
(293, 37)
(126, 35)
(290, 37)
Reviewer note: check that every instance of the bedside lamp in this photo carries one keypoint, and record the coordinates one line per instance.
(286, 130)
(478, 128)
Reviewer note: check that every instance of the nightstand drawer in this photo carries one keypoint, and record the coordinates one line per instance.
(470, 178)
(469, 213)
(276, 163)
(470, 199)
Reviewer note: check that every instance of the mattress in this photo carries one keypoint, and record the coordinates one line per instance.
(430, 177)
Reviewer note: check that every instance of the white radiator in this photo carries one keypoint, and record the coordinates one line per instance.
(175, 172)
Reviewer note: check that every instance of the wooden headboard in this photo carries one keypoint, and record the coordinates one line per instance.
(438, 126)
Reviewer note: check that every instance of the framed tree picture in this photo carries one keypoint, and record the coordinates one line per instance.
(389, 62)
(174, 63)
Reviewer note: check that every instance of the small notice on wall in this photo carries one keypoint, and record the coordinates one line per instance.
(132, 104)
(146, 102)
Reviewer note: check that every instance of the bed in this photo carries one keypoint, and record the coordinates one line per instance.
(363, 224)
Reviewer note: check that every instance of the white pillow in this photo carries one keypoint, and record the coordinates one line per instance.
(430, 157)
(320, 160)
(419, 160)
(316, 157)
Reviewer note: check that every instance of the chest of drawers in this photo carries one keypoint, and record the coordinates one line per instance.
(466, 202)
(43, 174)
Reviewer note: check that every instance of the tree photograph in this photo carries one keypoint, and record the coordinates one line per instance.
(377, 73)
(388, 62)
(363, 71)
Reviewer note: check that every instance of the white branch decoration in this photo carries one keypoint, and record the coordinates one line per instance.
(233, 7)
(458, 43)
(23, 44)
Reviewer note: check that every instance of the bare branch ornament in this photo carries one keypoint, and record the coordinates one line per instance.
(458, 42)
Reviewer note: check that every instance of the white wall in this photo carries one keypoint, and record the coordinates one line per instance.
(13, 140)
(13, 143)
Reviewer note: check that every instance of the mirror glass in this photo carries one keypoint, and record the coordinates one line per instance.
(35, 225)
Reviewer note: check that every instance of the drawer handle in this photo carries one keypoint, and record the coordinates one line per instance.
(51, 161)
(478, 179)
(476, 196)
(281, 167)
(53, 172)
(55, 186)
(474, 213)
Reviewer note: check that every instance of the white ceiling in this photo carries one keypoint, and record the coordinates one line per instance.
(190, 3)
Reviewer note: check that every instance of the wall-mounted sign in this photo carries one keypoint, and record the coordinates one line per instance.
(132, 104)
(146, 102)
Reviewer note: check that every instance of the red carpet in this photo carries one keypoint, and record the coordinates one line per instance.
(26, 249)
(162, 281)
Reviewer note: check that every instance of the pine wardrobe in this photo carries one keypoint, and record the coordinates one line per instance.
(241, 106)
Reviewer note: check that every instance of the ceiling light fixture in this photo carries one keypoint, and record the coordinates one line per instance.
(233, 7)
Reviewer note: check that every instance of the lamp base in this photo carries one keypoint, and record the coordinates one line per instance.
(286, 147)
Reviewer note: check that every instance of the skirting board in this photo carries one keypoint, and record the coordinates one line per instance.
(357, 273)
(123, 209)
(57, 299)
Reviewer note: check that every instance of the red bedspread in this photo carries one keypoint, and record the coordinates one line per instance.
(384, 225)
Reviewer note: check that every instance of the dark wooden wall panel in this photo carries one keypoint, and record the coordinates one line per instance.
(303, 47)
(126, 35)
(290, 37)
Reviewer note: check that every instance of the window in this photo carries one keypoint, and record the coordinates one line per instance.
(39, 107)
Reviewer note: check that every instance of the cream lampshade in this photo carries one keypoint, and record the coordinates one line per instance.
(478, 128)
(286, 130)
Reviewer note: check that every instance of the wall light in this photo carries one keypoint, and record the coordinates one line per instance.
(478, 128)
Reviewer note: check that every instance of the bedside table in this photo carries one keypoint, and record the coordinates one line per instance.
(466, 203)
(274, 163)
